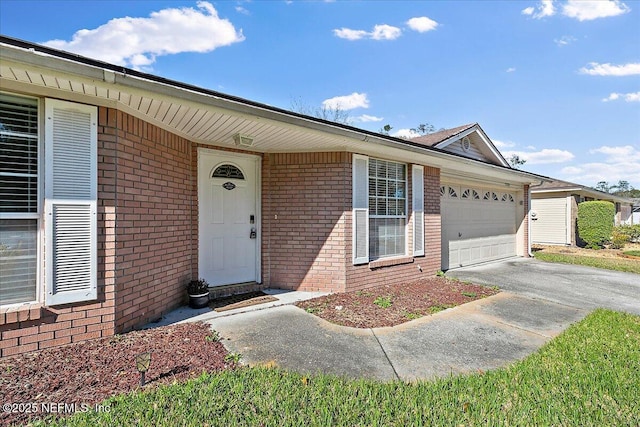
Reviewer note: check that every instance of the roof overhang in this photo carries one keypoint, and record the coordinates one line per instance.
(212, 118)
(583, 191)
(487, 147)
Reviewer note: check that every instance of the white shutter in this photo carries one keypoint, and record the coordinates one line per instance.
(418, 209)
(360, 209)
(71, 142)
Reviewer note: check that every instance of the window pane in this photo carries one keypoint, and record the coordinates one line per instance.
(387, 198)
(18, 257)
(386, 237)
(18, 155)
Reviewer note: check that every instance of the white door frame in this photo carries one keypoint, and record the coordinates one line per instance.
(209, 152)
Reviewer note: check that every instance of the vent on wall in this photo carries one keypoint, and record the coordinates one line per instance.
(243, 140)
(466, 143)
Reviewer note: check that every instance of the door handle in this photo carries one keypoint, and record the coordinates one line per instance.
(253, 234)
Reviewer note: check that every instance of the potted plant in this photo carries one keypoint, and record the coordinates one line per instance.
(198, 291)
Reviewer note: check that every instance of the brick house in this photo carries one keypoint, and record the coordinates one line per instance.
(118, 187)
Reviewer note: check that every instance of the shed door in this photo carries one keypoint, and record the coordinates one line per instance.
(228, 221)
(478, 225)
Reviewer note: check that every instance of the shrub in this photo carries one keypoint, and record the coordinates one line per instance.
(631, 231)
(595, 222)
(618, 239)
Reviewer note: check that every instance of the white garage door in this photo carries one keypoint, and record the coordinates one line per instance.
(549, 221)
(478, 225)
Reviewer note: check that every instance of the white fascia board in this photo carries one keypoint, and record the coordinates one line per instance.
(584, 191)
(454, 138)
(556, 190)
(485, 139)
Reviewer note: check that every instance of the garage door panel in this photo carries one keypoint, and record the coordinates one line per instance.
(477, 230)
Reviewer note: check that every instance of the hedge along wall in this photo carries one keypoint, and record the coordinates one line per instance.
(595, 222)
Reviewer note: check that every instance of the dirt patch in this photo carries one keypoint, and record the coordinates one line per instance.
(89, 372)
(594, 253)
(391, 305)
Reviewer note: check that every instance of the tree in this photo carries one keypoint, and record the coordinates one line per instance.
(515, 161)
(331, 114)
(603, 186)
(424, 129)
(385, 129)
(622, 189)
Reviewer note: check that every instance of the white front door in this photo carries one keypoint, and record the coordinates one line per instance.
(228, 218)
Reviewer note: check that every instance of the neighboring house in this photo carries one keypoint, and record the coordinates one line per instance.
(554, 211)
(118, 187)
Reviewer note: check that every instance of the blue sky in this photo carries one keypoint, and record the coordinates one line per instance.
(557, 82)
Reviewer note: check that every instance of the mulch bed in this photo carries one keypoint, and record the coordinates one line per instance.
(89, 372)
(407, 302)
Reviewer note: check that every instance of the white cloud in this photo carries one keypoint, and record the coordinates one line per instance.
(405, 133)
(511, 69)
(347, 102)
(379, 32)
(503, 144)
(136, 42)
(365, 118)
(564, 40)
(618, 153)
(385, 32)
(587, 10)
(595, 69)
(544, 156)
(242, 10)
(616, 163)
(422, 24)
(349, 34)
(544, 9)
(628, 97)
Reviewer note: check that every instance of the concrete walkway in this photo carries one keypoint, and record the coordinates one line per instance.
(539, 300)
(482, 335)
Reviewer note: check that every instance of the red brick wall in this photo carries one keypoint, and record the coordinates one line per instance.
(155, 199)
(306, 198)
(309, 245)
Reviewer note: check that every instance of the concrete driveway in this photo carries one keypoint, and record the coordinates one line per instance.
(538, 302)
(572, 285)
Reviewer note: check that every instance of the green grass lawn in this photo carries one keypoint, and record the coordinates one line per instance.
(621, 264)
(632, 253)
(587, 376)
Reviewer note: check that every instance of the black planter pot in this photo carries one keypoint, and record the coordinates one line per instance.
(199, 301)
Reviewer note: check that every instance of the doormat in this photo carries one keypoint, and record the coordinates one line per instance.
(241, 300)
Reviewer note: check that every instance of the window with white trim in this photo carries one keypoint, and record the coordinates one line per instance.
(387, 208)
(19, 199)
(66, 211)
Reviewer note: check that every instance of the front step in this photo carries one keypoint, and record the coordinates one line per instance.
(216, 292)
